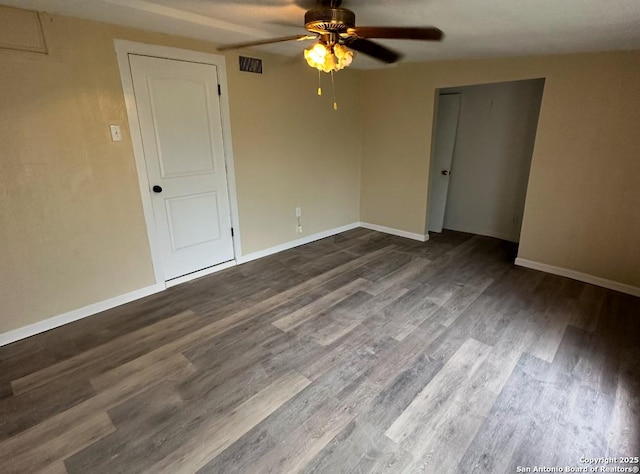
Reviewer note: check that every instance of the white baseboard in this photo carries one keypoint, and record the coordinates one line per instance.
(76, 314)
(400, 233)
(65, 318)
(201, 273)
(296, 243)
(594, 280)
(329, 233)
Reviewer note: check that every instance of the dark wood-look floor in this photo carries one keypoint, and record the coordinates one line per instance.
(359, 353)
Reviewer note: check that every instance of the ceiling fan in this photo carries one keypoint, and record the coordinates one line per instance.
(336, 33)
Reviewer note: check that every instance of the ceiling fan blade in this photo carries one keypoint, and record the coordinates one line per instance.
(269, 41)
(375, 50)
(427, 33)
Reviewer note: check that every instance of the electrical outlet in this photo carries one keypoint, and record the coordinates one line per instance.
(298, 224)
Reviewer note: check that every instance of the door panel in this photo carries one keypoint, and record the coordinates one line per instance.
(193, 220)
(445, 138)
(185, 149)
(181, 127)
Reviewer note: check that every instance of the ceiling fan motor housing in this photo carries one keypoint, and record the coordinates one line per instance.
(329, 20)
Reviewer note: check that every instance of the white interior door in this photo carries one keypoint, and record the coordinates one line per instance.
(445, 139)
(180, 123)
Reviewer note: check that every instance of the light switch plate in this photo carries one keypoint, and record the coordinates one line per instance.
(116, 136)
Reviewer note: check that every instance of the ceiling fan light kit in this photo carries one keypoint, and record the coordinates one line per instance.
(337, 37)
(328, 58)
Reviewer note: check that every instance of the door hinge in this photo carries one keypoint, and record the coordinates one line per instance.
(232, 232)
(219, 90)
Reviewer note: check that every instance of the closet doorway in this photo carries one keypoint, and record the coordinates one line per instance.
(484, 137)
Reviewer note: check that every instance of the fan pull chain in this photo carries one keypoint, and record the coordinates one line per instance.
(319, 83)
(333, 90)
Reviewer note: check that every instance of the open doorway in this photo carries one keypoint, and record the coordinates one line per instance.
(484, 137)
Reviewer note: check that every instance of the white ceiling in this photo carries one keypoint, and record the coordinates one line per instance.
(473, 28)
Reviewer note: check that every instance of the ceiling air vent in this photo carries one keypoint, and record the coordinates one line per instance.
(251, 65)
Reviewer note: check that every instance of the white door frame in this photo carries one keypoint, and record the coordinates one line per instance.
(123, 49)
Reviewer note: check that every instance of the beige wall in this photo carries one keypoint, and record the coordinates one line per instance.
(72, 229)
(293, 150)
(583, 203)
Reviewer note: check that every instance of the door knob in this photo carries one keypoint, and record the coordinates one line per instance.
(157, 189)
(445, 172)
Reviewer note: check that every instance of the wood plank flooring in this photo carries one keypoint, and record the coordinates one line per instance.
(362, 352)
